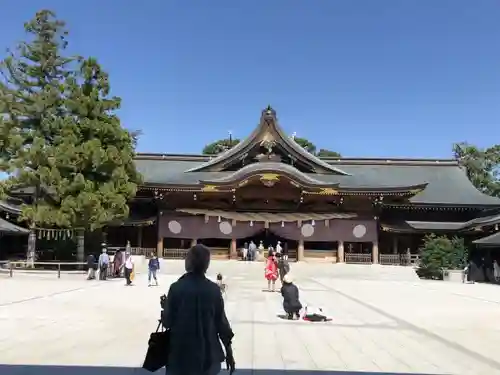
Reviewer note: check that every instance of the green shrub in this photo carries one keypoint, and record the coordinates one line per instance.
(439, 253)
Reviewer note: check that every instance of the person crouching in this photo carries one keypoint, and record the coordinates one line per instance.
(291, 302)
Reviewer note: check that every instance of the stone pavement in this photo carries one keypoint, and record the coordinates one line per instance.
(378, 326)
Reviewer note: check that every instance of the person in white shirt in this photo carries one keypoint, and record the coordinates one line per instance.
(279, 249)
(129, 267)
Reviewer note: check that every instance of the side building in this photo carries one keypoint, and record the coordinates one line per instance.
(268, 189)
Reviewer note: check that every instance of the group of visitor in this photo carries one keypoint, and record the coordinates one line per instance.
(123, 265)
(251, 252)
(483, 270)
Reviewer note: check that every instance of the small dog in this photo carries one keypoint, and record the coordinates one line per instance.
(222, 285)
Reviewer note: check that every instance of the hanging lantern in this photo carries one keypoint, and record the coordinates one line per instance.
(327, 223)
(496, 226)
(218, 219)
(282, 224)
(312, 223)
(251, 223)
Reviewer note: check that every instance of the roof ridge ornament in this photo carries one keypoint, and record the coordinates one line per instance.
(269, 131)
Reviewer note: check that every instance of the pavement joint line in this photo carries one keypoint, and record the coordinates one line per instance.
(459, 294)
(404, 323)
(16, 302)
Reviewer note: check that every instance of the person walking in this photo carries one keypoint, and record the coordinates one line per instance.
(244, 252)
(279, 249)
(129, 268)
(103, 263)
(252, 249)
(496, 271)
(283, 267)
(91, 264)
(195, 316)
(153, 267)
(285, 251)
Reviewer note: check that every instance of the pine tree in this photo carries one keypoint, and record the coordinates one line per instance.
(97, 175)
(31, 100)
(59, 134)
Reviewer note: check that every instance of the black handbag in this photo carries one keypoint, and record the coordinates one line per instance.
(158, 348)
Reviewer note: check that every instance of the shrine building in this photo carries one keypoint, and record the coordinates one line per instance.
(268, 188)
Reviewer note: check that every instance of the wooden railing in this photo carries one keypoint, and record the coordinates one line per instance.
(320, 255)
(215, 252)
(146, 251)
(33, 267)
(358, 258)
(392, 259)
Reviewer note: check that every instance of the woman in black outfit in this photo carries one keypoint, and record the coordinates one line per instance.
(195, 316)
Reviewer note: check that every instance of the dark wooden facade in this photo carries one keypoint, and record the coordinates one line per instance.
(267, 188)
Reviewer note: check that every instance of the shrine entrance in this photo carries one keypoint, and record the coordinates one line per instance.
(268, 238)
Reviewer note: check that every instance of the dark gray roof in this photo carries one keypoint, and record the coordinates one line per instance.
(9, 228)
(256, 168)
(11, 207)
(447, 182)
(483, 221)
(425, 226)
(491, 240)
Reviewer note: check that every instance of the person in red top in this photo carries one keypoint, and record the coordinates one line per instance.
(271, 271)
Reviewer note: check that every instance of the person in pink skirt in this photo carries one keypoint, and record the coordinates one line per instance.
(271, 271)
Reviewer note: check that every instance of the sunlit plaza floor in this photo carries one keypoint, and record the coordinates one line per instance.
(378, 326)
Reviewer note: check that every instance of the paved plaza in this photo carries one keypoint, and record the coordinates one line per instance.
(378, 326)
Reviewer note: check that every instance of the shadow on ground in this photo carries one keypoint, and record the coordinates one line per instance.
(98, 370)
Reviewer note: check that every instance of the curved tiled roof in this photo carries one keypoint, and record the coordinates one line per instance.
(447, 183)
(268, 123)
(9, 228)
(269, 167)
(491, 240)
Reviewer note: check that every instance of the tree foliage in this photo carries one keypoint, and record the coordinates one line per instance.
(482, 166)
(219, 146)
(305, 144)
(59, 132)
(440, 253)
(324, 153)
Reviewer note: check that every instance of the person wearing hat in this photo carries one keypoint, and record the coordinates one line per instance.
(291, 302)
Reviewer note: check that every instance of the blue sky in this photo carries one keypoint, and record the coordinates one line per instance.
(366, 78)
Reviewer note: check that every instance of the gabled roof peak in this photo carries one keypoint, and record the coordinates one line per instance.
(268, 135)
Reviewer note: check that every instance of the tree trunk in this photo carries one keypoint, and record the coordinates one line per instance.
(31, 250)
(80, 247)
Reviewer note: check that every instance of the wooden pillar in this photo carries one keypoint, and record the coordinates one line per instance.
(375, 252)
(194, 241)
(395, 244)
(31, 250)
(340, 252)
(300, 250)
(159, 247)
(80, 247)
(139, 236)
(233, 253)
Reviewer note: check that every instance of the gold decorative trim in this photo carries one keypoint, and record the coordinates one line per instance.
(328, 191)
(269, 179)
(209, 189)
